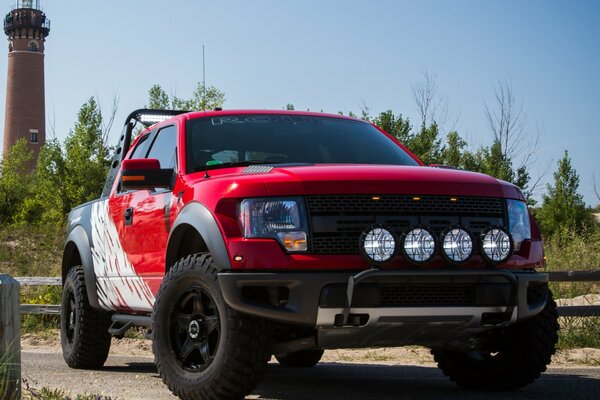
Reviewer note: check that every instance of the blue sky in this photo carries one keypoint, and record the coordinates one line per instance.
(335, 56)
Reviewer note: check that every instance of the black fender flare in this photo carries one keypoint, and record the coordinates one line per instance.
(78, 239)
(200, 218)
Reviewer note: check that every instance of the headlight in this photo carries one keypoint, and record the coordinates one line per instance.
(281, 219)
(518, 222)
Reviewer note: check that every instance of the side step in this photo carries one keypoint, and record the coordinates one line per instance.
(121, 323)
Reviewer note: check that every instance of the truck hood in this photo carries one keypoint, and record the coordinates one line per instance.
(369, 179)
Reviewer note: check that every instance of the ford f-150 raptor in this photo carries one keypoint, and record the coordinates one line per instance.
(236, 235)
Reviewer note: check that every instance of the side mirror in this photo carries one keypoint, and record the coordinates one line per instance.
(144, 173)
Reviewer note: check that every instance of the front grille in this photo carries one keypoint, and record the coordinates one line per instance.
(402, 204)
(335, 245)
(427, 295)
(337, 221)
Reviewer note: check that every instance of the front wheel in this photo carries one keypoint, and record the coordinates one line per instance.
(514, 357)
(84, 333)
(202, 348)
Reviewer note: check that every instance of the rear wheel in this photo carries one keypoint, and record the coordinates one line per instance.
(515, 356)
(84, 330)
(203, 349)
(301, 359)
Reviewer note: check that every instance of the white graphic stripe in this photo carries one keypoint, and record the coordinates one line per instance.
(119, 286)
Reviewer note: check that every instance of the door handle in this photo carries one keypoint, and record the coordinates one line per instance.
(128, 216)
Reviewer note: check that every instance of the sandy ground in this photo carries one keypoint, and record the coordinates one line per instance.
(585, 300)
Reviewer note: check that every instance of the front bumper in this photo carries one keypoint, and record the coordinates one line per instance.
(384, 308)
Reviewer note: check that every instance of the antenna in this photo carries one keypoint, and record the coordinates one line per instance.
(203, 81)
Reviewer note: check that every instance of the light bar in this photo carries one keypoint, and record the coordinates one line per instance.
(153, 118)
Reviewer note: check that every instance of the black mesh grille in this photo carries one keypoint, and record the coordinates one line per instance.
(336, 245)
(404, 204)
(427, 295)
(339, 220)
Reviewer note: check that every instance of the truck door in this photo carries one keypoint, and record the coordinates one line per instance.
(146, 228)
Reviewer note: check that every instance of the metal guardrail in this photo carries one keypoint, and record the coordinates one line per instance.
(563, 311)
(39, 281)
(39, 309)
(577, 276)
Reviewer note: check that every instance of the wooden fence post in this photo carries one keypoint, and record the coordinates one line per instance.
(10, 339)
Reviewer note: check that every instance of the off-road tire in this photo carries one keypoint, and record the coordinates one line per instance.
(300, 359)
(521, 354)
(234, 364)
(85, 339)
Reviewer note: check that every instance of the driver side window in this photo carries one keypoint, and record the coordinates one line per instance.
(142, 147)
(164, 146)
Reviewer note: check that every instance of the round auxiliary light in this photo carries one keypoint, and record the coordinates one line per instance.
(378, 244)
(496, 245)
(457, 245)
(418, 245)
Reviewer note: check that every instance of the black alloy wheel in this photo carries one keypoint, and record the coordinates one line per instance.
(195, 329)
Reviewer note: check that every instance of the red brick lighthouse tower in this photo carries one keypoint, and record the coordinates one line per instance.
(27, 28)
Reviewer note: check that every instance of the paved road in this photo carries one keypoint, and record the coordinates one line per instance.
(136, 378)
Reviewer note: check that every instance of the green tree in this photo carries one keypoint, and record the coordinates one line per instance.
(16, 181)
(86, 156)
(395, 125)
(158, 98)
(70, 174)
(201, 99)
(52, 196)
(563, 208)
(496, 163)
(427, 145)
(454, 151)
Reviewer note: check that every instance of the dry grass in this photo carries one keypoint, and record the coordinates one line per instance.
(7, 387)
(45, 393)
(575, 252)
(31, 250)
(27, 250)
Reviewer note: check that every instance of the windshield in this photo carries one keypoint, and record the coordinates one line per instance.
(247, 139)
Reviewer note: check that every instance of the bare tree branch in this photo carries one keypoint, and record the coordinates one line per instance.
(535, 187)
(432, 107)
(507, 122)
(424, 93)
(108, 121)
(595, 186)
(365, 111)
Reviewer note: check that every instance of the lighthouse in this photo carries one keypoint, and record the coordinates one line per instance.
(27, 27)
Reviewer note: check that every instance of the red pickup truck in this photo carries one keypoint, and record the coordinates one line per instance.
(236, 235)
